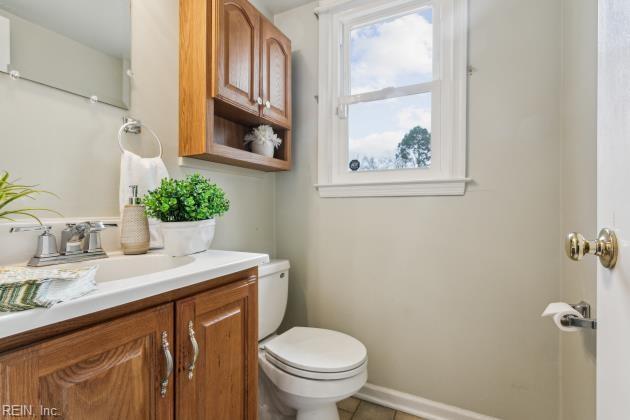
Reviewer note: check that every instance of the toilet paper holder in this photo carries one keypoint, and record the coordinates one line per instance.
(583, 308)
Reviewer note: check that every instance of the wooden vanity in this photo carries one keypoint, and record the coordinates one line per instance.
(135, 361)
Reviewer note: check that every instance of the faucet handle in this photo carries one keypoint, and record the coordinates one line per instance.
(97, 226)
(46, 242)
(30, 228)
(92, 240)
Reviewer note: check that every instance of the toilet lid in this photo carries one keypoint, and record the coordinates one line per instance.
(317, 350)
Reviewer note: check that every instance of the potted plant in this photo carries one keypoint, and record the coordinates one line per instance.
(263, 140)
(11, 191)
(187, 209)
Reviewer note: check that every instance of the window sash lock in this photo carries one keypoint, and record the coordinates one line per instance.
(342, 111)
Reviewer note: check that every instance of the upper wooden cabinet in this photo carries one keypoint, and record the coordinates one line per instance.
(235, 74)
(238, 58)
(276, 75)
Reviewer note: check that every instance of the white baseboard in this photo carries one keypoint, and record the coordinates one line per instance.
(417, 406)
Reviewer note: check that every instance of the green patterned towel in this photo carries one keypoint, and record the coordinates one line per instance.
(24, 288)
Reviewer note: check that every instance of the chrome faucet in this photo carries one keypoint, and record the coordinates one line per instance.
(79, 242)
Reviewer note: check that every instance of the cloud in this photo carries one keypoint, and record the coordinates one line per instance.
(383, 144)
(393, 53)
(377, 145)
(410, 117)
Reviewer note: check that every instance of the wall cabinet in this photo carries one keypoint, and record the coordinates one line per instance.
(238, 57)
(235, 74)
(192, 358)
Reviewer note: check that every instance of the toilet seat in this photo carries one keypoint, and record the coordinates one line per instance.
(311, 388)
(308, 374)
(316, 353)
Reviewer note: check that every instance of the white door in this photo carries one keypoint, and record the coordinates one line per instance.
(613, 209)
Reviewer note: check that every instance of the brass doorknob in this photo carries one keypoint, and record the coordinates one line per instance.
(605, 247)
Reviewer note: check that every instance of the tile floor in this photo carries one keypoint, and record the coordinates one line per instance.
(356, 409)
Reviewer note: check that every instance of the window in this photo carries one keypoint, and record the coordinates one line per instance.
(392, 98)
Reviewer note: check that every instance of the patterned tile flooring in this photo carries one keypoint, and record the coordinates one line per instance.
(355, 409)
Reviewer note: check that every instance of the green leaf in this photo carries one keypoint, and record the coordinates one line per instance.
(191, 199)
(11, 192)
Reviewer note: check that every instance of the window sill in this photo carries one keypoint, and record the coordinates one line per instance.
(430, 187)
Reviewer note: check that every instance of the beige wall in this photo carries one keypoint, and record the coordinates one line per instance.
(446, 292)
(579, 198)
(69, 146)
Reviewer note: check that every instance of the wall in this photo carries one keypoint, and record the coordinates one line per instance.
(579, 199)
(68, 146)
(446, 292)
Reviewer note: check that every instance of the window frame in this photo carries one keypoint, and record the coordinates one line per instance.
(447, 173)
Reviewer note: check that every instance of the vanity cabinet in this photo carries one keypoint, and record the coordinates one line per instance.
(235, 74)
(110, 371)
(221, 328)
(191, 355)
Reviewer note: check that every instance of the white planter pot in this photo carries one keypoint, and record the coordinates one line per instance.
(185, 238)
(265, 149)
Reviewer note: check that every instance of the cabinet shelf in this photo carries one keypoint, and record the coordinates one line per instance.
(243, 158)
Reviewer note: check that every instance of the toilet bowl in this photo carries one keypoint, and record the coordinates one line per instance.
(305, 371)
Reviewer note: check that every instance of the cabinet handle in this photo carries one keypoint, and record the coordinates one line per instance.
(169, 364)
(195, 346)
(259, 101)
(268, 105)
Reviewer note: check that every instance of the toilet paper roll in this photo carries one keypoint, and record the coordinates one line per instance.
(557, 310)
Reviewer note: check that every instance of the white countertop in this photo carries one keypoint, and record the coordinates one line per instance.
(197, 268)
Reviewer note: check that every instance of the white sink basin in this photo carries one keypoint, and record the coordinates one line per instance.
(118, 267)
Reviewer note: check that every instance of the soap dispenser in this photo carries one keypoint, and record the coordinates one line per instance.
(134, 232)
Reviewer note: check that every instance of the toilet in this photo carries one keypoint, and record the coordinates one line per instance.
(304, 371)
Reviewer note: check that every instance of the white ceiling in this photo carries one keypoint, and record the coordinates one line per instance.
(101, 24)
(279, 6)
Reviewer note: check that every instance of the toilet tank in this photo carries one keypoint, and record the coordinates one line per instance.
(273, 292)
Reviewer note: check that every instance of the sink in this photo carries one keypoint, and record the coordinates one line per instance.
(118, 267)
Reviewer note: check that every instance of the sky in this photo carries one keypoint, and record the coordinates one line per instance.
(396, 52)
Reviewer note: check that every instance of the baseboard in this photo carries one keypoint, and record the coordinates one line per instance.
(417, 406)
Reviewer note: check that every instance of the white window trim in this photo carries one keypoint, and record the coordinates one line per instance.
(449, 125)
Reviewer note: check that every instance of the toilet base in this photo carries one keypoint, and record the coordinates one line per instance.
(306, 399)
(323, 412)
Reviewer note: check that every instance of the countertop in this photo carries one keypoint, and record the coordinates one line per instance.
(198, 268)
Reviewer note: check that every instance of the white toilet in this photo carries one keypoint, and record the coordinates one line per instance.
(304, 372)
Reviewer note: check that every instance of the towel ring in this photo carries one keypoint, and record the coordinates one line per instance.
(136, 123)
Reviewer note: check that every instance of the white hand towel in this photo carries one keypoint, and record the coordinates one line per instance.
(146, 173)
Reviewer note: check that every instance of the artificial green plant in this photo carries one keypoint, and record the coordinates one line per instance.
(187, 200)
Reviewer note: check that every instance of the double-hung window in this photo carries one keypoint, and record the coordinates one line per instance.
(392, 97)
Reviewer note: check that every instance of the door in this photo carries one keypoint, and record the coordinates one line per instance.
(613, 202)
(217, 366)
(276, 75)
(112, 371)
(238, 57)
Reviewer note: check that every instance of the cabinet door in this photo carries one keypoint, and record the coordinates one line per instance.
(222, 383)
(238, 58)
(110, 371)
(276, 75)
